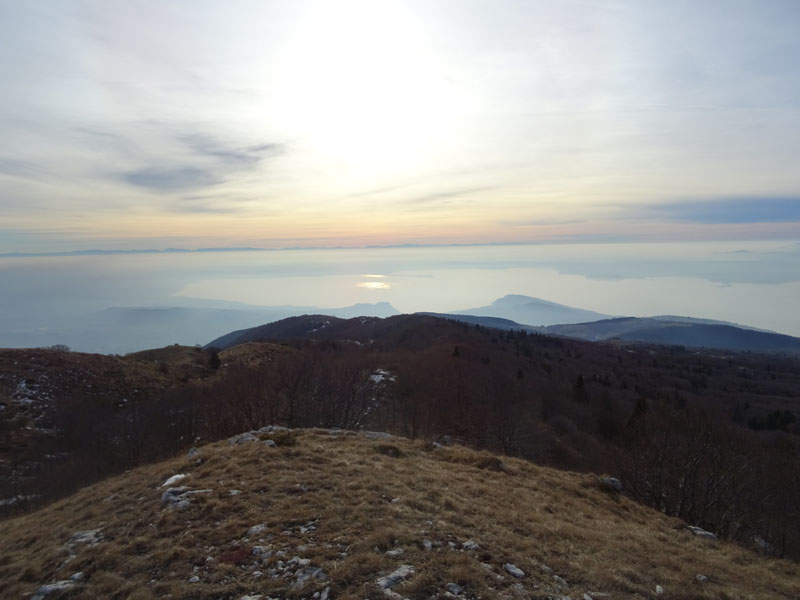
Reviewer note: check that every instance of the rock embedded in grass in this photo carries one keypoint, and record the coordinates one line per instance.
(181, 497)
(91, 537)
(397, 576)
(514, 570)
(256, 529)
(53, 588)
(242, 438)
(174, 479)
(702, 533)
(454, 589)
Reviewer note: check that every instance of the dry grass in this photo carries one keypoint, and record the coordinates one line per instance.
(343, 502)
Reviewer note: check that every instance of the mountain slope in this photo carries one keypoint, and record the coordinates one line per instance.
(494, 322)
(347, 514)
(386, 332)
(533, 311)
(662, 330)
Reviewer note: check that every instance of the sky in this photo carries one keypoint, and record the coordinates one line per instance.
(150, 124)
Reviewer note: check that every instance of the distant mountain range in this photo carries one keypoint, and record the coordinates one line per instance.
(680, 332)
(665, 330)
(121, 330)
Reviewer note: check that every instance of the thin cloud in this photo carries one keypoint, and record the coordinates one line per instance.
(170, 180)
(215, 204)
(726, 211)
(440, 198)
(210, 162)
(209, 147)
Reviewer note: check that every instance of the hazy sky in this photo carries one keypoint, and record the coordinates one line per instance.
(280, 123)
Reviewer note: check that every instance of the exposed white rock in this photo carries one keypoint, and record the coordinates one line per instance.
(273, 429)
(175, 497)
(193, 453)
(455, 589)
(256, 529)
(560, 581)
(52, 588)
(179, 497)
(394, 553)
(308, 573)
(270, 443)
(91, 537)
(702, 533)
(242, 438)
(470, 545)
(427, 545)
(514, 570)
(659, 590)
(377, 435)
(194, 579)
(174, 479)
(397, 576)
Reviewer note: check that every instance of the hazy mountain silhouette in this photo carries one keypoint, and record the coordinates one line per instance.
(680, 332)
(533, 311)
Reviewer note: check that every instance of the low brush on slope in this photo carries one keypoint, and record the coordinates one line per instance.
(334, 514)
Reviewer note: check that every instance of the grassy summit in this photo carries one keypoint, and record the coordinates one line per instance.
(343, 515)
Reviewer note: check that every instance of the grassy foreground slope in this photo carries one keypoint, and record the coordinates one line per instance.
(333, 512)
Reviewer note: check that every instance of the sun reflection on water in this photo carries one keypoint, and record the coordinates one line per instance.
(374, 285)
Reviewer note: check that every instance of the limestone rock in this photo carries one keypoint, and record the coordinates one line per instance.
(53, 588)
(174, 479)
(397, 576)
(702, 533)
(455, 589)
(242, 438)
(256, 529)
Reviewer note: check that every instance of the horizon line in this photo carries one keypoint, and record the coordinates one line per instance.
(170, 250)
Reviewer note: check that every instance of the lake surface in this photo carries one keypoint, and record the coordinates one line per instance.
(752, 283)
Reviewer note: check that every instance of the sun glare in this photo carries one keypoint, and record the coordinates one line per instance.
(361, 87)
(374, 285)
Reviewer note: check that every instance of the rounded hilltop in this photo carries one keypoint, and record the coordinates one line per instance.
(313, 513)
